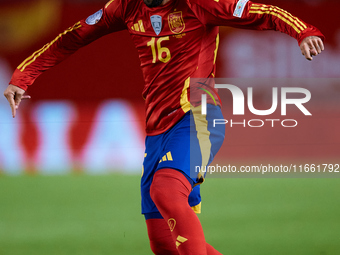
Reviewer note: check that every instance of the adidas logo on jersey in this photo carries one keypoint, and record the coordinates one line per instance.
(167, 157)
(180, 240)
(138, 27)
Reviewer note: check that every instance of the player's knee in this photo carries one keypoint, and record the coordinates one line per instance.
(163, 247)
(160, 237)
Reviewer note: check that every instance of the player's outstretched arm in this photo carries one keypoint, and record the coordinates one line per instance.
(248, 15)
(104, 21)
(311, 46)
(50, 55)
(14, 96)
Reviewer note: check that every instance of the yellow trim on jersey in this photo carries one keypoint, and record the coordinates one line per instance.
(136, 27)
(166, 157)
(38, 53)
(169, 156)
(107, 5)
(140, 22)
(286, 14)
(145, 154)
(217, 44)
(32, 56)
(278, 15)
(203, 135)
(197, 208)
(281, 14)
(184, 101)
(294, 19)
(180, 240)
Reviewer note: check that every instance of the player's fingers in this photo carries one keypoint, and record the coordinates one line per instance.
(17, 99)
(319, 44)
(26, 97)
(312, 49)
(10, 99)
(305, 51)
(315, 46)
(13, 107)
(14, 95)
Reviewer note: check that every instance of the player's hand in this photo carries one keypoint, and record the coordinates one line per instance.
(311, 46)
(14, 96)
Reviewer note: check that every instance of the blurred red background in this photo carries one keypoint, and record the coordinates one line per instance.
(108, 69)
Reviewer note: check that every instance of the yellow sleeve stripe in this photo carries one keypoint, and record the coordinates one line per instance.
(280, 17)
(298, 22)
(32, 56)
(38, 53)
(293, 17)
(281, 14)
(287, 14)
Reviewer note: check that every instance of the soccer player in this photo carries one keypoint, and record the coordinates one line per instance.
(177, 42)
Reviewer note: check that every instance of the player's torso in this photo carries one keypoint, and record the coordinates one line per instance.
(169, 40)
(164, 36)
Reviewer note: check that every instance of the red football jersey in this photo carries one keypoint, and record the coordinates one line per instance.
(176, 42)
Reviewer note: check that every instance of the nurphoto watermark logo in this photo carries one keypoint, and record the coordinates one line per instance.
(264, 127)
(239, 106)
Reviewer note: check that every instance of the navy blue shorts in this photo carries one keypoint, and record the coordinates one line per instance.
(189, 145)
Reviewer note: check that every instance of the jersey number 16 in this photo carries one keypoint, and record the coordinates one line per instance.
(157, 44)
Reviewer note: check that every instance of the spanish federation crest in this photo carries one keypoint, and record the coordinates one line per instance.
(176, 23)
(156, 22)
